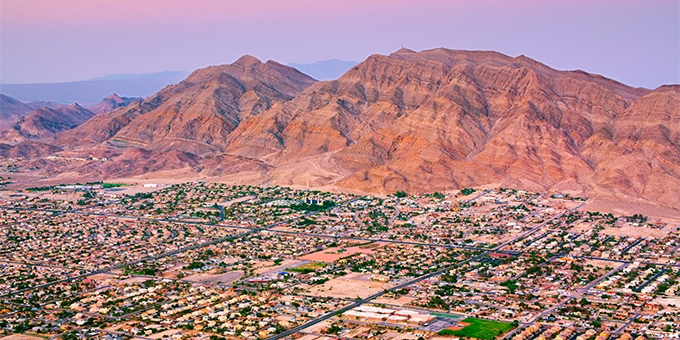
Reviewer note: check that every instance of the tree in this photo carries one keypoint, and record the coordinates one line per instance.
(333, 329)
(467, 191)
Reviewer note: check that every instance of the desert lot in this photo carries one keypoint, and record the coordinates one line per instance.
(349, 286)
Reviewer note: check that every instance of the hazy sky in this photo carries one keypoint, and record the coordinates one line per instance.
(634, 41)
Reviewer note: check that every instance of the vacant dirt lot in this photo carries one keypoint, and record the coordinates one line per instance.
(333, 254)
(349, 286)
(225, 278)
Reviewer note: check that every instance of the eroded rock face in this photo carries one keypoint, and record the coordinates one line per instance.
(11, 110)
(46, 123)
(197, 114)
(113, 102)
(442, 119)
(424, 121)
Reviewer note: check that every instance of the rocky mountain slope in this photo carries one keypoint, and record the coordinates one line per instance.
(112, 102)
(414, 121)
(45, 123)
(11, 110)
(197, 114)
(443, 119)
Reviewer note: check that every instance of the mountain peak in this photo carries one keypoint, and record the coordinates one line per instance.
(45, 122)
(111, 102)
(415, 121)
(404, 50)
(247, 61)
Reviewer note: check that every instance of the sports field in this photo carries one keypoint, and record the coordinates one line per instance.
(479, 329)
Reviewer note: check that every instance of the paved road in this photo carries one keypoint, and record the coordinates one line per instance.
(414, 281)
(154, 257)
(483, 193)
(625, 325)
(369, 298)
(576, 294)
(269, 227)
(630, 246)
(646, 283)
(538, 227)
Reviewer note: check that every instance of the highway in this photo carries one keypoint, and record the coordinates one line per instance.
(154, 257)
(418, 279)
(247, 231)
(576, 294)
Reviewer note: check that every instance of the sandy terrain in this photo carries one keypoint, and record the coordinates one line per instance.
(402, 300)
(316, 328)
(492, 238)
(667, 301)
(599, 263)
(628, 230)
(268, 267)
(349, 286)
(332, 254)
(309, 337)
(634, 206)
(225, 278)
(20, 337)
(320, 170)
(169, 333)
(638, 231)
(134, 279)
(357, 331)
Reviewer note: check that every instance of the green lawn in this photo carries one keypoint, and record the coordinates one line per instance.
(307, 268)
(480, 329)
(112, 185)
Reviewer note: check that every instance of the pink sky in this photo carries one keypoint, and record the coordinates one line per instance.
(637, 42)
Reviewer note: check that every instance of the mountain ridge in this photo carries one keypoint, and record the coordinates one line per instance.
(414, 121)
(90, 92)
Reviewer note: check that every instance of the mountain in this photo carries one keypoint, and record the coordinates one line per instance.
(45, 123)
(27, 149)
(325, 69)
(89, 92)
(197, 114)
(11, 110)
(112, 102)
(415, 121)
(444, 119)
(38, 104)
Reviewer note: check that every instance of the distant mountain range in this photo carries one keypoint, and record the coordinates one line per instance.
(89, 92)
(11, 110)
(413, 121)
(45, 122)
(20, 122)
(326, 69)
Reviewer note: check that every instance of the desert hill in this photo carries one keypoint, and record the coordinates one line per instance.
(45, 123)
(12, 110)
(197, 114)
(112, 102)
(414, 121)
(444, 119)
